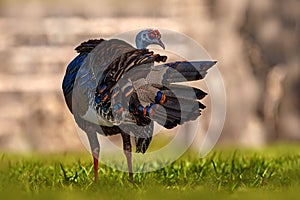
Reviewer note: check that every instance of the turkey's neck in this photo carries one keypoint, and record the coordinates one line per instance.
(140, 44)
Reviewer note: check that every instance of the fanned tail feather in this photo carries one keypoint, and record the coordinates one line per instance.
(183, 71)
(170, 104)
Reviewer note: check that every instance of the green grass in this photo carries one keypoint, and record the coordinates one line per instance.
(273, 172)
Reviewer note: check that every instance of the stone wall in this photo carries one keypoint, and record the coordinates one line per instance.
(256, 44)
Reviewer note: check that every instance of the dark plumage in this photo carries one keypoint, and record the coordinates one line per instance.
(112, 87)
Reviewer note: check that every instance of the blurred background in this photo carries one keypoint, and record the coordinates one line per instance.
(255, 42)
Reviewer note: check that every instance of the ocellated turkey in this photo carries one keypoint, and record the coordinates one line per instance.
(113, 88)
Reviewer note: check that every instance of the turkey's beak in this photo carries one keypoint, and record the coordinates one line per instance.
(160, 43)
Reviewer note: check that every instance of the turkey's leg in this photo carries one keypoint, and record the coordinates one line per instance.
(127, 152)
(95, 148)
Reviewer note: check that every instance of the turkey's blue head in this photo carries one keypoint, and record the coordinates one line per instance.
(148, 37)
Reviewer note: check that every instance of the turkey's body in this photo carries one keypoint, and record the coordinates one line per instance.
(113, 88)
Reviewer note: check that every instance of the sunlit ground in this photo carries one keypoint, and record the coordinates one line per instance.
(272, 172)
